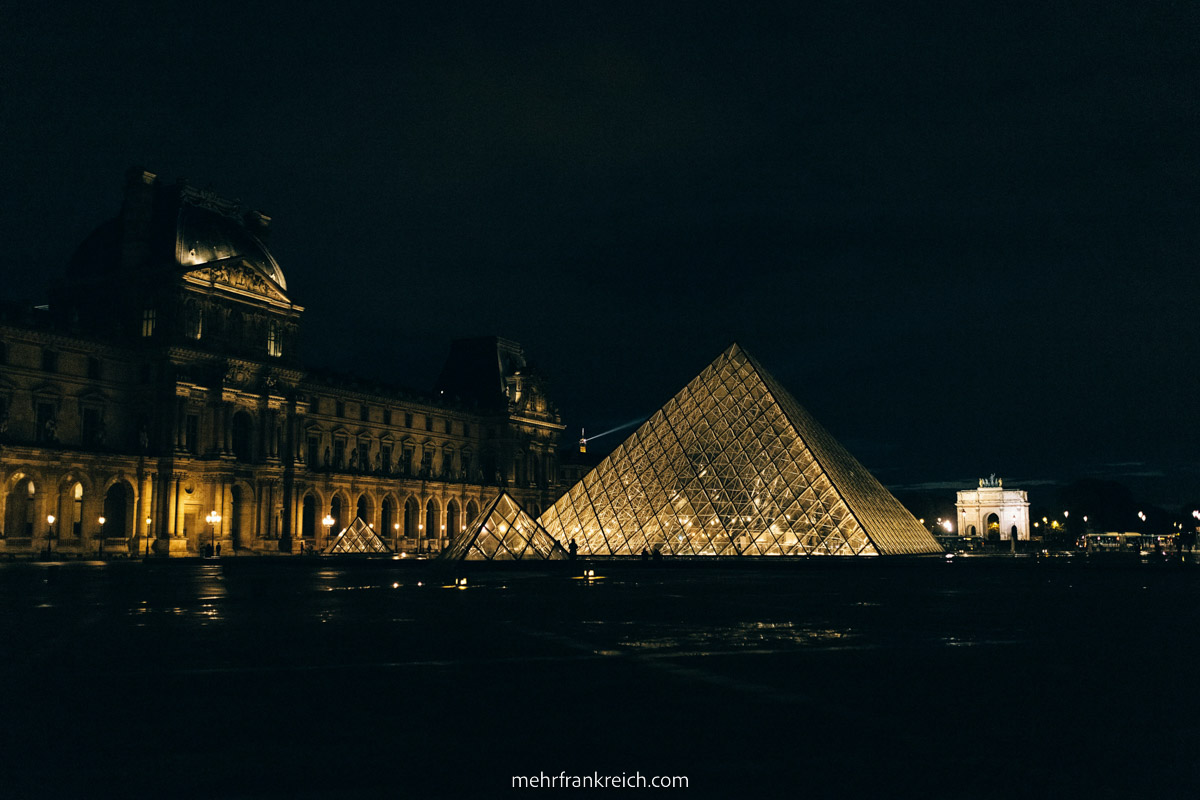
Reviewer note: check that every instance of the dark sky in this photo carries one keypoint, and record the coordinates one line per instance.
(966, 240)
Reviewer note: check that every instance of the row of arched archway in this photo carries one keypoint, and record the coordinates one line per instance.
(72, 501)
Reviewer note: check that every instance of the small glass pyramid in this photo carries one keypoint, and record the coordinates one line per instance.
(733, 465)
(503, 531)
(357, 538)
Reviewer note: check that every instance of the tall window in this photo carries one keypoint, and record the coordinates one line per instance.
(408, 420)
(364, 412)
(47, 423)
(149, 317)
(313, 445)
(91, 427)
(94, 368)
(428, 422)
(193, 321)
(340, 408)
(192, 434)
(339, 454)
(49, 361)
(387, 416)
(77, 510)
(274, 340)
(243, 436)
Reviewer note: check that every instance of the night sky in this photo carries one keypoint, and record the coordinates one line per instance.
(966, 241)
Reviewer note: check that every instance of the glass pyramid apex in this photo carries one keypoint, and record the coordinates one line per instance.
(359, 538)
(504, 531)
(733, 465)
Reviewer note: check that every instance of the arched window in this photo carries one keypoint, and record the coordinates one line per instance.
(308, 517)
(237, 510)
(335, 511)
(386, 521)
(77, 510)
(472, 510)
(453, 522)
(118, 511)
(19, 509)
(361, 510)
(411, 514)
(431, 521)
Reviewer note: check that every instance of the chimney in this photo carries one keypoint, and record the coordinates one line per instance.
(137, 215)
(258, 223)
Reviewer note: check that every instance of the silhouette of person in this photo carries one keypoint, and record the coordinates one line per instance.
(645, 554)
(573, 550)
(218, 549)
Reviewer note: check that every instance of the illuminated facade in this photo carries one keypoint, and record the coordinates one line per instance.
(993, 512)
(161, 384)
(732, 465)
(505, 532)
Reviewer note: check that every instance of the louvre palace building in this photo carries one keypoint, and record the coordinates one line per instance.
(157, 406)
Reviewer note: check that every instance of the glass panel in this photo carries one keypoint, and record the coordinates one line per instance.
(732, 464)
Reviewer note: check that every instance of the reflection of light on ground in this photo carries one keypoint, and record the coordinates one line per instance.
(743, 635)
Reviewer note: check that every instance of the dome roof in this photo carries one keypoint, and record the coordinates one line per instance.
(202, 236)
(173, 228)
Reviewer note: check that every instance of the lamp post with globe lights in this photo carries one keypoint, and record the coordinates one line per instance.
(49, 532)
(213, 519)
(102, 520)
(327, 521)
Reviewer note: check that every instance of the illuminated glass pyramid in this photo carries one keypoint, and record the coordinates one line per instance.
(503, 531)
(357, 538)
(732, 465)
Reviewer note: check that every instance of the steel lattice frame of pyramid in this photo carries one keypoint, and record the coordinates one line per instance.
(358, 538)
(733, 465)
(504, 531)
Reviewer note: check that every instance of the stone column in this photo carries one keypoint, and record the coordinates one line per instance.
(226, 428)
(172, 502)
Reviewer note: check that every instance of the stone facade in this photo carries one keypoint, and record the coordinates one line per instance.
(161, 385)
(993, 512)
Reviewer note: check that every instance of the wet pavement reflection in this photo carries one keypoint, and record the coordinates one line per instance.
(249, 677)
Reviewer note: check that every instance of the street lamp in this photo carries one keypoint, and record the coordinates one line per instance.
(147, 537)
(213, 519)
(327, 521)
(49, 532)
(102, 521)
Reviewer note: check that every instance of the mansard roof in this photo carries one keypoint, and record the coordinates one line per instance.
(174, 229)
